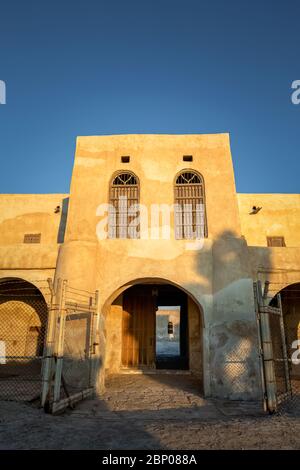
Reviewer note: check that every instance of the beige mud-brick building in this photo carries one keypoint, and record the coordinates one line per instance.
(243, 238)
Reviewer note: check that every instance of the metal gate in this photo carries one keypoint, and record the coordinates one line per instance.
(70, 364)
(273, 351)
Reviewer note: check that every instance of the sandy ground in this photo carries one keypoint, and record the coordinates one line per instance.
(148, 412)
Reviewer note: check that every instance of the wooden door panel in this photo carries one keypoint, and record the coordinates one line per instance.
(138, 328)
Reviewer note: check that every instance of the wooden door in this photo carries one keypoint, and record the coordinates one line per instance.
(138, 328)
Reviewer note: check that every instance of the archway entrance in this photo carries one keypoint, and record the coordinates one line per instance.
(23, 321)
(152, 326)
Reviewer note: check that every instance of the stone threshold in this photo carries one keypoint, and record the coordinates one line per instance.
(125, 370)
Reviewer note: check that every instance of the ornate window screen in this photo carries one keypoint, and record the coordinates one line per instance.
(124, 207)
(190, 214)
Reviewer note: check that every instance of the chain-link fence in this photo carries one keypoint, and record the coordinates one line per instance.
(76, 369)
(290, 305)
(23, 326)
(71, 348)
(237, 370)
(47, 348)
(281, 308)
(280, 359)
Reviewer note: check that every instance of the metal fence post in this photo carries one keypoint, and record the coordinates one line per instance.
(95, 341)
(60, 341)
(261, 354)
(284, 348)
(49, 348)
(267, 352)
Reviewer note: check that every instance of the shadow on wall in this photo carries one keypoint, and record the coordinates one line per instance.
(232, 330)
(233, 344)
(63, 220)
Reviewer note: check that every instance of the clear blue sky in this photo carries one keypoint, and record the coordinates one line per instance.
(134, 66)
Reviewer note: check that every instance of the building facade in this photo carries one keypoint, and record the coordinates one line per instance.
(190, 243)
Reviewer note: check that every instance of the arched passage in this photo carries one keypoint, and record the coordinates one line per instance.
(153, 324)
(23, 322)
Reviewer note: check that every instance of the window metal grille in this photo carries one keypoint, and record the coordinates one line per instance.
(190, 214)
(32, 238)
(123, 219)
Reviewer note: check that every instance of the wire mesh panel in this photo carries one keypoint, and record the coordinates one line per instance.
(279, 358)
(46, 350)
(274, 351)
(69, 365)
(290, 304)
(76, 370)
(23, 324)
(237, 369)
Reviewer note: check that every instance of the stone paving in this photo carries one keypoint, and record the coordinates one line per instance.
(158, 396)
(150, 397)
(161, 411)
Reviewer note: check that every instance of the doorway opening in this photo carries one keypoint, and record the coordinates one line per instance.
(155, 329)
(168, 337)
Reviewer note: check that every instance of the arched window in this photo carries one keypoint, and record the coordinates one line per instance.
(124, 206)
(190, 216)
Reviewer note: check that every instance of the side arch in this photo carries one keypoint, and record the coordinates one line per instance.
(23, 318)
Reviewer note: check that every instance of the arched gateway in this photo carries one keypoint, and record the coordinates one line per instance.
(153, 324)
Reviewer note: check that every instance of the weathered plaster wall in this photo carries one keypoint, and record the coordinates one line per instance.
(279, 216)
(280, 266)
(29, 213)
(155, 159)
(195, 339)
(113, 333)
(233, 334)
